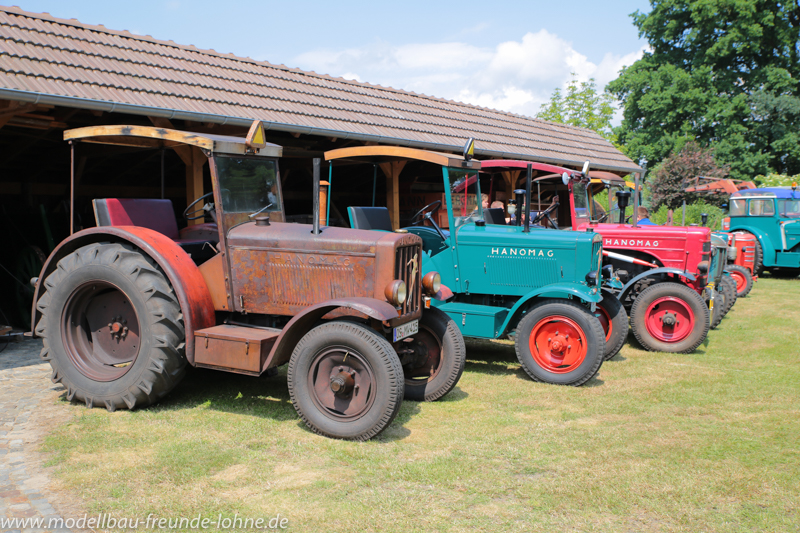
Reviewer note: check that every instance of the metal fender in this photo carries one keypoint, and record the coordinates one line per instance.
(184, 276)
(556, 290)
(648, 273)
(302, 323)
(768, 249)
(444, 294)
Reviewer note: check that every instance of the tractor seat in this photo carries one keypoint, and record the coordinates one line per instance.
(153, 214)
(370, 218)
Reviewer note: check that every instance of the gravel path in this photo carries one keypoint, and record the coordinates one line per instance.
(27, 405)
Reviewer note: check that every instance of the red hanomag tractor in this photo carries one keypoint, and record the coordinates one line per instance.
(123, 308)
(664, 270)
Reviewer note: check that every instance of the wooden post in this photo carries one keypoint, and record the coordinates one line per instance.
(392, 171)
(194, 179)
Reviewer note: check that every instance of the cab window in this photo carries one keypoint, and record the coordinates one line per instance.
(762, 208)
(465, 196)
(789, 208)
(738, 207)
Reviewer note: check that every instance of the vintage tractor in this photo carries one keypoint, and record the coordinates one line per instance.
(123, 308)
(541, 285)
(772, 216)
(664, 270)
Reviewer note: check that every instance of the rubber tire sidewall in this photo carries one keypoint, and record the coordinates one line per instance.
(595, 340)
(454, 358)
(747, 275)
(687, 294)
(619, 324)
(386, 368)
(158, 366)
(728, 288)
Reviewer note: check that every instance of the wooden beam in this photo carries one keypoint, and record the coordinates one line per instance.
(183, 151)
(194, 178)
(392, 171)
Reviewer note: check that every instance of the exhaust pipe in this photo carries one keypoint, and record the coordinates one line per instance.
(315, 222)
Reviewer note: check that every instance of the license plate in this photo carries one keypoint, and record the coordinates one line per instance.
(406, 330)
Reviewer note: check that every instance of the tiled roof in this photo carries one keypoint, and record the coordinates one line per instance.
(64, 62)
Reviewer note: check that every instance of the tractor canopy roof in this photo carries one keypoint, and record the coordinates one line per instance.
(777, 192)
(153, 137)
(383, 154)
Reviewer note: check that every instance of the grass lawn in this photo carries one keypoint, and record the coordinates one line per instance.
(658, 442)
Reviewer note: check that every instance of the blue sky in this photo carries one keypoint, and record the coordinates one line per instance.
(500, 54)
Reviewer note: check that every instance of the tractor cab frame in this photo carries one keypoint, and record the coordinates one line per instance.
(124, 307)
(541, 286)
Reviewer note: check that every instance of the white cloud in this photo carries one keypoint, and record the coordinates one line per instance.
(516, 76)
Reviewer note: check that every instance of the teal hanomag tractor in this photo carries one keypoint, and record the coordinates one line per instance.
(541, 285)
(772, 216)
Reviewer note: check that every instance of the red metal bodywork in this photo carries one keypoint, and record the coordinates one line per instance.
(184, 276)
(745, 244)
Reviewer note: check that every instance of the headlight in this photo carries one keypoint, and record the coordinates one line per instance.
(732, 253)
(432, 282)
(395, 292)
(591, 277)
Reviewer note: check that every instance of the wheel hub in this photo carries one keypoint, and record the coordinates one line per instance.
(343, 382)
(558, 344)
(669, 319)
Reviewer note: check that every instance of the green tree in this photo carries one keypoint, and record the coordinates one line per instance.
(581, 106)
(722, 72)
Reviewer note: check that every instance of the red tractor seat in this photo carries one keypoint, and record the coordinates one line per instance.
(156, 215)
(159, 216)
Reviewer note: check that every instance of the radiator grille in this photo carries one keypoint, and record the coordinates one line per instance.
(515, 271)
(408, 267)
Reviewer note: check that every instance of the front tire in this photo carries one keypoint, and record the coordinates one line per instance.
(111, 327)
(560, 342)
(728, 288)
(669, 317)
(743, 279)
(345, 381)
(758, 263)
(614, 320)
(440, 357)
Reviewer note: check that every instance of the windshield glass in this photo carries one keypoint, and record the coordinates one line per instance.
(581, 199)
(738, 207)
(464, 194)
(248, 184)
(789, 208)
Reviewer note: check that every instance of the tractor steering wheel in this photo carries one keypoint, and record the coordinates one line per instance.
(423, 213)
(192, 215)
(546, 213)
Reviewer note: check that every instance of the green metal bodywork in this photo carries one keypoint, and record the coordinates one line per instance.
(778, 235)
(496, 272)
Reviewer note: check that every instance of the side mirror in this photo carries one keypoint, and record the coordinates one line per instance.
(565, 178)
(585, 168)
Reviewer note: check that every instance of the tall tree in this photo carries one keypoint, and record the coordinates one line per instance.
(582, 106)
(722, 72)
(667, 184)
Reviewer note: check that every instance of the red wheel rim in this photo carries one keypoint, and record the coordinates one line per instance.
(558, 344)
(605, 321)
(741, 281)
(669, 319)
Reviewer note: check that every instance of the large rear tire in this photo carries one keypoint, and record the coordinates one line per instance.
(111, 327)
(669, 317)
(439, 357)
(743, 279)
(345, 381)
(560, 342)
(614, 320)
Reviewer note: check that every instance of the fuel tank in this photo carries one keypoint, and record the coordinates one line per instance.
(283, 268)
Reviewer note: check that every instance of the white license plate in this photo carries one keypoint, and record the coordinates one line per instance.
(406, 330)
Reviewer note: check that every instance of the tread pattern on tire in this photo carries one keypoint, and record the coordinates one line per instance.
(746, 273)
(459, 355)
(595, 325)
(613, 349)
(728, 287)
(687, 293)
(387, 356)
(167, 364)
